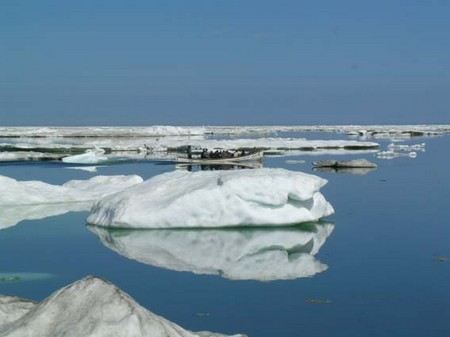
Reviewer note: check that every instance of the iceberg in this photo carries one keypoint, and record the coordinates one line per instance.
(89, 307)
(263, 254)
(181, 199)
(15, 193)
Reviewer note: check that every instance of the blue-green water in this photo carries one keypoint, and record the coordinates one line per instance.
(387, 275)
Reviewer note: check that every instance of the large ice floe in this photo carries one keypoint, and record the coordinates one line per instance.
(262, 254)
(89, 307)
(20, 200)
(215, 199)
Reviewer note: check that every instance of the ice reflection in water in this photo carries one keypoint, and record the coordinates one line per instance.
(263, 254)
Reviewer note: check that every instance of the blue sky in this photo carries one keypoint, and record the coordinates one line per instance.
(224, 62)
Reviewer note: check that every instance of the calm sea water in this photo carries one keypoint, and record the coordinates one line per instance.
(387, 273)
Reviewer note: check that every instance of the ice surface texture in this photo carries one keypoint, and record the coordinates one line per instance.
(215, 199)
(262, 254)
(90, 307)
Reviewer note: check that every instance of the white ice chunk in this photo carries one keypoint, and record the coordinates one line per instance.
(216, 199)
(90, 307)
(14, 193)
(94, 156)
(262, 254)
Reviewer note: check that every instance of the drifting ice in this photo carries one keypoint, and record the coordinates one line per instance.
(14, 193)
(90, 307)
(239, 254)
(94, 156)
(215, 199)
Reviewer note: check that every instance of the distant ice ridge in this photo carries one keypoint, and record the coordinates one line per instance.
(21, 200)
(262, 254)
(102, 131)
(158, 131)
(89, 307)
(215, 199)
(164, 144)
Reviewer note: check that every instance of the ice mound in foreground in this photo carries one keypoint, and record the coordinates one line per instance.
(14, 193)
(215, 199)
(263, 254)
(90, 307)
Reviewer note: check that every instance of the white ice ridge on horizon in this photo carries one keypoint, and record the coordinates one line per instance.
(160, 130)
(89, 307)
(22, 200)
(263, 254)
(261, 197)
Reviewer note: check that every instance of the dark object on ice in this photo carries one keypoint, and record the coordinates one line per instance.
(337, 164)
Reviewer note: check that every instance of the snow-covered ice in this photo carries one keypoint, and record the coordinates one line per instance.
(11, 215)
(31, 200)
(26, 156)
(215, 199)
(89, 307)
(15, 193)
(262, 254)
(91, 156)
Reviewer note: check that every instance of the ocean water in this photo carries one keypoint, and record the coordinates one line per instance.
(387, 274)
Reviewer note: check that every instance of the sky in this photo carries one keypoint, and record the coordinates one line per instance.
(224, 62)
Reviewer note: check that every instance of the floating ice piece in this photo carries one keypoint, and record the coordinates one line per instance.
(15, 193)
(294, 161)
(215, 199)
(355, 163)
(91, 169)
(358, 171)
(92, 156)
(90, 307)
(12, 215)
(263, 254)
(394, 154)
(407, 147)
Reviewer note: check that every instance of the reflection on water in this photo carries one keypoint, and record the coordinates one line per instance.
(238, 254)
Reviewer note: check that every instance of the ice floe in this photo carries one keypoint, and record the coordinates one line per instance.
(15, 193)
(90, 307)
(263, 254)
(31, 200)
(355, 163)
(26, 156)
(215, 199)
(91, 156)
(391, 154)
